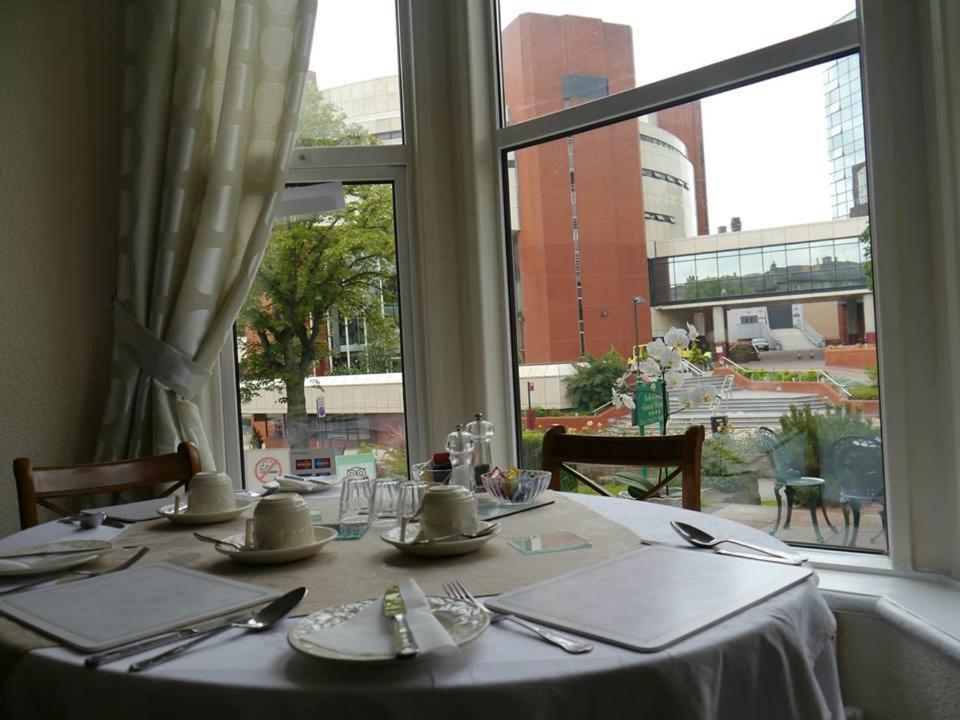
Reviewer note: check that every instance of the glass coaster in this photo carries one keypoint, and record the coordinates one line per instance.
(348, 531)
(548, 543)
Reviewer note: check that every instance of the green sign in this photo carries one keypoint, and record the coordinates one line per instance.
(649, 403)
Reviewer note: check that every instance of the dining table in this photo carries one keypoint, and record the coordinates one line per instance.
(774, 659)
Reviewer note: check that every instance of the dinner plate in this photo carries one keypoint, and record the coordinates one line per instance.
(51, 563)
(444, 548)
(322, 534)
(463, 620)
(184, 517)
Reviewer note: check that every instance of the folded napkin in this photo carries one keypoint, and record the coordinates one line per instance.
(286, 482)
(370, 632)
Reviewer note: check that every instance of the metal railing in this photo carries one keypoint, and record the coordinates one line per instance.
(690, 367)
(836, 383)
(723, 394)
(811, 334)
(727, 361)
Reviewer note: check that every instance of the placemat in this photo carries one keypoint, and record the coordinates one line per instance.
(680, 592)
(363, 568)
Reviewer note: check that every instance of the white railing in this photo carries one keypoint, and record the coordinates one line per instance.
(811, 334)
(722, 395)
(690, 367)
(827, 377)
(727, 361)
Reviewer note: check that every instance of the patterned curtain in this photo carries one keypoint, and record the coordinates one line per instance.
(211, 98)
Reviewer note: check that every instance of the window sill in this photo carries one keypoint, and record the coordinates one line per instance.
(923, 605)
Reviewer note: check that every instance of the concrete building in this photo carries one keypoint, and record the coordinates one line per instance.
(373, 104)
(845, 141)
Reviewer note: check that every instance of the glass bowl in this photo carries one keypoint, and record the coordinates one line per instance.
(529, 485)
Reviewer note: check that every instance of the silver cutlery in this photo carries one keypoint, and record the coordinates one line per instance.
(703, 539)
(394, 608)
(48, 553)
(264, 619)
(489, 530)
(456, 590)
(217, 541)
(84, 574)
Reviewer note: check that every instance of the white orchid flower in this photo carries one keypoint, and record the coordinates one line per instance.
(706, 393)
(628, 402)
(617, 402)
(657, 350)
(689, 398)
(692, 332)
(672, 360)
(648, 367)
(673, 379)
(676, 338)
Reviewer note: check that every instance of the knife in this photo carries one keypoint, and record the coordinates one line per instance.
(45, 553)
(263, 619)
(394, 608)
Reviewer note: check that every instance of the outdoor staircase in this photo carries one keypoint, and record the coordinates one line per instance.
(794, 339)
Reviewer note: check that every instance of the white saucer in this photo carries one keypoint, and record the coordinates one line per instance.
(50, 563)
(445, 548)
(322, 534)
(185, 517)
(463, 620)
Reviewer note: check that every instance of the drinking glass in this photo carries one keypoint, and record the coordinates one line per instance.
(355, 500)
(408, 504)
(383, 501)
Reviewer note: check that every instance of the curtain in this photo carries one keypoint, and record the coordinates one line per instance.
(211, 98)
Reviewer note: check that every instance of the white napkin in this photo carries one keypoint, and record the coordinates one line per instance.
(370, 632)
(301, 485)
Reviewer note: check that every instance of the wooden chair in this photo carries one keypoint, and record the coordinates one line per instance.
(38, 485)
(681, 452)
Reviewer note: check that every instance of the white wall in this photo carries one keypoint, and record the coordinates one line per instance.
(59, 120)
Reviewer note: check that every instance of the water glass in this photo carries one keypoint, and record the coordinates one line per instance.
(383, 501)
(355, 500)
(411, 496)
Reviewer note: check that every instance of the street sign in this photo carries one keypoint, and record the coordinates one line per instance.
(321, 404)
(649, 403)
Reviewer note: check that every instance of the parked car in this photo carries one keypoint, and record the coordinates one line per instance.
(760, 344)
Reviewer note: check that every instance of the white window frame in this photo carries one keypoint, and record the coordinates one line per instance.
(359, 164)
(780, 59)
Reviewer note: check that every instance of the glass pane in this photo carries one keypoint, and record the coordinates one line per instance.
(319, 337)
(754, 218)
(560, 53)
(352, 93)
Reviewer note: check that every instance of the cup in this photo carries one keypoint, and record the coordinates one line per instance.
(355, 502)
(447, 510)
(282, 521)
(210, 492)
(384, 499)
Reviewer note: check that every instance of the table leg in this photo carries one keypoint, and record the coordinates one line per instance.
(845, 509)
(855, 508)
(788, 491)
(823, 510)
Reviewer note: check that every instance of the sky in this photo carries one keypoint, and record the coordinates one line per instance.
(765, 145)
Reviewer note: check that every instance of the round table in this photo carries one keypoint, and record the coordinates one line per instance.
(775, 659)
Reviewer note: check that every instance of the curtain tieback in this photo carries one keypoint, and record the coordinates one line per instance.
(159, 360)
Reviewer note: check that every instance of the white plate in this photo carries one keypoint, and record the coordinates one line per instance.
(184, 517)
(446, 548)
(322, 534)
(51, 563)
(463, 620)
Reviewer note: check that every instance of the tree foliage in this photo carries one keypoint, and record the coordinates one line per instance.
(590, 386)
(315, 265)
(867, 256)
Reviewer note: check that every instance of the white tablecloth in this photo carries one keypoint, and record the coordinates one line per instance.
(774, 660)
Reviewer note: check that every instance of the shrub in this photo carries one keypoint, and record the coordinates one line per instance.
(809, 376)
(809, 436)
(864, 392)
(531, 457)
(743, 352)
(727, 465)
(591, 386)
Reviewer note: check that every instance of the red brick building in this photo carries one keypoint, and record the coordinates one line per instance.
(580, 242)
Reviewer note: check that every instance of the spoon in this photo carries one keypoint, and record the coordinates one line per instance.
(489, 530)
(262, 620)
(701, 538)
(218, 541)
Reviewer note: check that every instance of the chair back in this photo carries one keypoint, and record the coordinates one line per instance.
(858, 466)
(40, 485)
(777, 454)
(681, 452)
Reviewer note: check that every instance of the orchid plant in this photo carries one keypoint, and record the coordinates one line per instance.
(663, 362)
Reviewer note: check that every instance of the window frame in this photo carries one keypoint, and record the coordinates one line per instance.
(387, 164)
(830, 43)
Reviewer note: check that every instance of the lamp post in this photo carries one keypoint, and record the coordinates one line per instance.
(637, 300)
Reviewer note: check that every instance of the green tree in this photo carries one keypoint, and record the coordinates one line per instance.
(323, 124)
(591, 385)
(312, 266)
(867, 256)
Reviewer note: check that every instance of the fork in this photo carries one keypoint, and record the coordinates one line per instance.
(457, 591)
(84, 574)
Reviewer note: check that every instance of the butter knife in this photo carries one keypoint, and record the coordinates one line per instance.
(394, 608)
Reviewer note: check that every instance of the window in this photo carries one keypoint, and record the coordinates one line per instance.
(319, 341)
(610, 200)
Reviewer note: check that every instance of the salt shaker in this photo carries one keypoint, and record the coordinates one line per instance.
(460, 445)
(482, 431)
